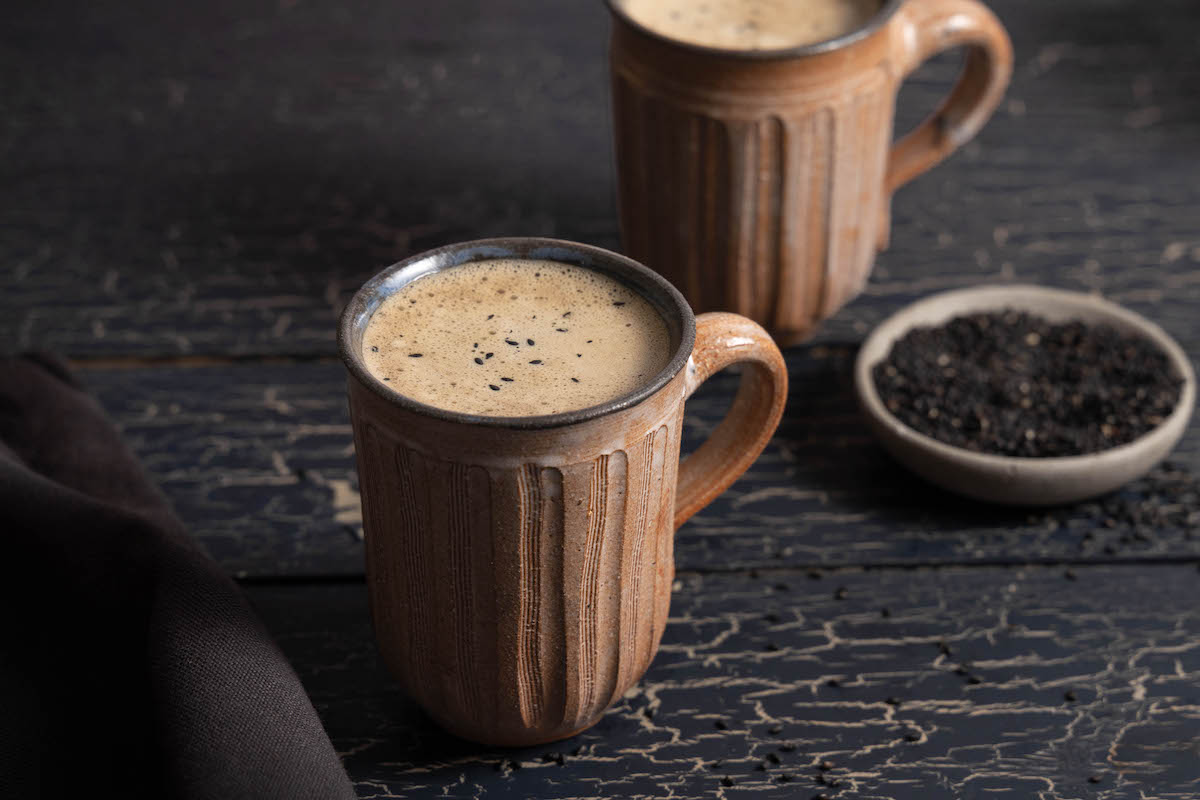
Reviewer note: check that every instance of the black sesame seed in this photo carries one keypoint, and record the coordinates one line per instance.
(727, 781)
(575, 380)
(721, 725)
(507, 380)
(774, 759)
(561, 330)
(579, 355)
(833, 683)
(529, 342)
(536, 361)
(486, 356)
(493, 387)
(566, 313)
(491, 315)
(478, 360)
(912, 737)
(618, 303)
(510, 341)
(387, 379)
(414, 355)
(589, 341)
(374, 349)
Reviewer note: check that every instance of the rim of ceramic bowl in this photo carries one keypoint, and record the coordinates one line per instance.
(665, 298)
(874, 23)
(1016, 296)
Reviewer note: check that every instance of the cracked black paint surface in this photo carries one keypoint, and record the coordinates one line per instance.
(214, 180)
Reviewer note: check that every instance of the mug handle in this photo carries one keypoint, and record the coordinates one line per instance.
(723, 339)
(920, 30)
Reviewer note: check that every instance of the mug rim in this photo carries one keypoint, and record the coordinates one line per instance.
(874, 23)
(654, 288)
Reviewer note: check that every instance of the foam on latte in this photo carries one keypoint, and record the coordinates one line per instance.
(515, 337)
(751, 24)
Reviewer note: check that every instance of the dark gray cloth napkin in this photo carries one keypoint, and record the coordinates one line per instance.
(130, 665)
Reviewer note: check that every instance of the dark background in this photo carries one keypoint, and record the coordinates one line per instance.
(192, 190)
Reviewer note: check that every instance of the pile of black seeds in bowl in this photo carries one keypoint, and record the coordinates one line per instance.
(1014, 384)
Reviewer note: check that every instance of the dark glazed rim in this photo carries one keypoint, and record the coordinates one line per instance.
(665, 298)
(877, 20)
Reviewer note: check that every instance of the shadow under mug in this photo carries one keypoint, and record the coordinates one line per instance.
(520, 568)
(760, 181)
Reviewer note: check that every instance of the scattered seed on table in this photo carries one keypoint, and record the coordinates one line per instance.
(510, 341)
(478, 360)
(414, 355)
(507, 380)
(486, 356)
(374, 349)
(529, 342)
(536, 361)
(575, 380)
(562, 330)
(493, 387)
(618, 303)
(491, 315)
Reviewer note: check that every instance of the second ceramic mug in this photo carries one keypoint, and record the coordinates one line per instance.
(761, 181)
(520, 568)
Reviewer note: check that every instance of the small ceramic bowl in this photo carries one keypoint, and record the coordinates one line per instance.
(1007, 479)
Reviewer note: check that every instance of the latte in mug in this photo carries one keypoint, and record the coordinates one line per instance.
(751, 24)
(514, 338)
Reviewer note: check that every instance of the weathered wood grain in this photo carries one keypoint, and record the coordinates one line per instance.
(258, 461)
(950, 683)
(219, 178)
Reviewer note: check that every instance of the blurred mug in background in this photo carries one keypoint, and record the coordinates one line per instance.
(754, 140)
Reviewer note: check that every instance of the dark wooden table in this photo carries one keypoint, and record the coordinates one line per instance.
(192, 190)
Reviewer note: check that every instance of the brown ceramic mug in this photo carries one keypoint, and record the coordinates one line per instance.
(520, 568)
(760, 181)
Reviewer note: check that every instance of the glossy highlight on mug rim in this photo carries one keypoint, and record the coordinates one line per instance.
(876, 21)
(655, 289)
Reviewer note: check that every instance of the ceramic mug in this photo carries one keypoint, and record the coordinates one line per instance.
(760, 181)
(520, 568)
